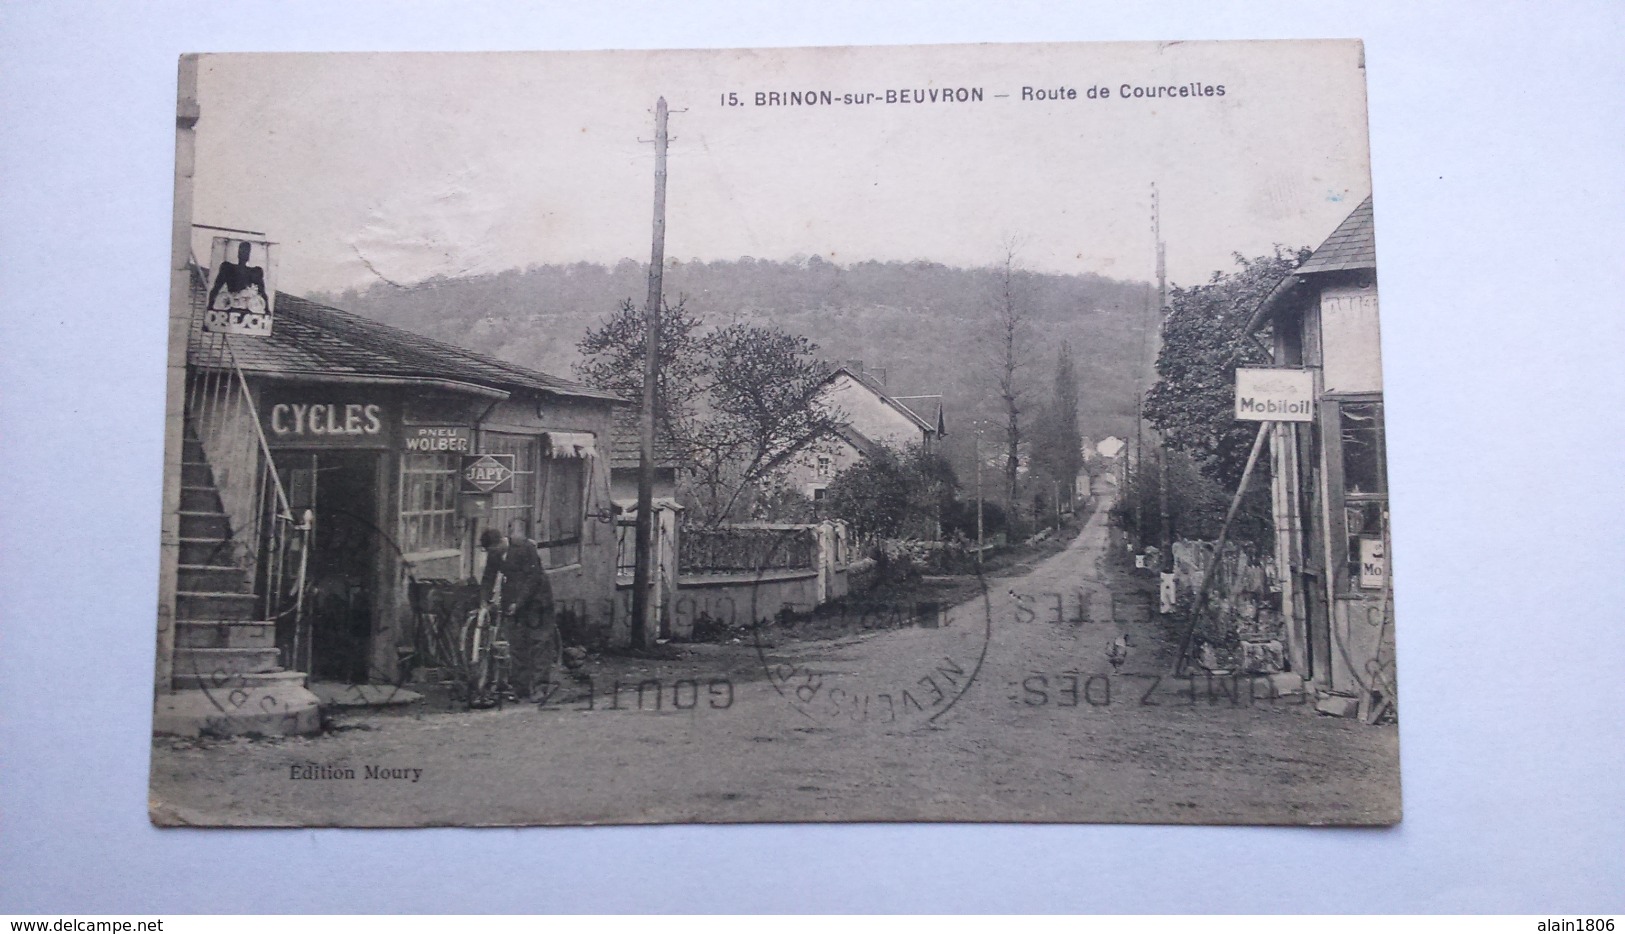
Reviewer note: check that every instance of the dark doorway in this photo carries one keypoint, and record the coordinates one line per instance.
(341, 489)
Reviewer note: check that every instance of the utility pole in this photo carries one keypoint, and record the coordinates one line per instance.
(642, 573)
(978, 495)
(1136, 465)
(1165, 540)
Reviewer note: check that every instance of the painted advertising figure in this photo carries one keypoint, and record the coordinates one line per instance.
(240, 293)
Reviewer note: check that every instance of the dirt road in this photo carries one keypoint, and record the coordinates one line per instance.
(884, 725)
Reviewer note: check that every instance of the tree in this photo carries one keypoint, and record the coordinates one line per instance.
(761, 408)
(735, 403)
(872, 496)
(1011, 338)
(895, 494)
(1193, 400)
(612, 359)
(1058, 442)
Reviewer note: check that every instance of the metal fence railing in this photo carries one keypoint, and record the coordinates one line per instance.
(746, 549)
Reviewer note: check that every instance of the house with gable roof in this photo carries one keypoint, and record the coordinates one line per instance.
(872, 419)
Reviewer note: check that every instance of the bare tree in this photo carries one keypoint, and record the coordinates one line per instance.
(1012, 338)
(735, 404)
(763, 407)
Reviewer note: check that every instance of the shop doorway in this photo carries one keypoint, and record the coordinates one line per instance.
(341, 577)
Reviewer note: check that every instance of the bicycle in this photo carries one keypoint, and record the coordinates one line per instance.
(486, 657)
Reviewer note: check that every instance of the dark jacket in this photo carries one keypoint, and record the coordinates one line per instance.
(524, 583)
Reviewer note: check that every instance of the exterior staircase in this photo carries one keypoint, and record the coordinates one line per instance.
(228, 677)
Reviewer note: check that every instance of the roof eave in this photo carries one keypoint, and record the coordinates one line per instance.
(326, 376)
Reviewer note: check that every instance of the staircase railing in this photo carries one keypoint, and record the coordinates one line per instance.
(266, 539)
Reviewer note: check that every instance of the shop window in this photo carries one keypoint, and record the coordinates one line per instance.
(1363, 468)
(428, 502)
(1365, 495)
(564, 483)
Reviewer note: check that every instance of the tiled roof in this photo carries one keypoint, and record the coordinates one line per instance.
(862, 442)
(1352, 245)
(873, 385)
(311, 339)
(625, 451)
(928, 409)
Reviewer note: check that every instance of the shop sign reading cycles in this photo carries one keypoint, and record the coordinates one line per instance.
(326, 424)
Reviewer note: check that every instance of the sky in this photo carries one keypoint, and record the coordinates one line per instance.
(405, 166)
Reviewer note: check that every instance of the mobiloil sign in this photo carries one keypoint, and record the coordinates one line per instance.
(1268, 395)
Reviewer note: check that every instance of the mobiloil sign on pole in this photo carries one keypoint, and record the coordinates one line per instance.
(242, 287)
(1266, 395)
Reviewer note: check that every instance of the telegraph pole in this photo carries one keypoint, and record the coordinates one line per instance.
(978, 495)
(642, 573)
(1166, 538)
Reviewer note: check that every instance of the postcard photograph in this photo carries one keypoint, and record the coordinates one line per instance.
(949, 433)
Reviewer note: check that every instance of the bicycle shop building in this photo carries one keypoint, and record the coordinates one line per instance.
(326, 467)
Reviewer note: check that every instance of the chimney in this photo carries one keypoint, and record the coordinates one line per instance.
(855, 366)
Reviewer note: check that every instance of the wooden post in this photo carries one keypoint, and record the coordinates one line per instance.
(1165, 538)
(1218, 549)
(978, 496)
(641, 574)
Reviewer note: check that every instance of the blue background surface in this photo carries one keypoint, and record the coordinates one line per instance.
(1497, 146)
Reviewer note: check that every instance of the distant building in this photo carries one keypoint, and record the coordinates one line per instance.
(624, 460)
(872, 419)
(625, 455)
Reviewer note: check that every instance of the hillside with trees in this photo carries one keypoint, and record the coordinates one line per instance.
(929, 327)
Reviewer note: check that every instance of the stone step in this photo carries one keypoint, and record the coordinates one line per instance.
(208, 550)
(204, 525)
(224, 634)
(277, 708)
(215, 605)
(220, 663)
(200, 499)
(223, 684)
(211, 578)
(196, 474)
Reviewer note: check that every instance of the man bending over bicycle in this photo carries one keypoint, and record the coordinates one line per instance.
(527, 604)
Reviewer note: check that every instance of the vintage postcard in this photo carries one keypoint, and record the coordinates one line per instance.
(953, 433)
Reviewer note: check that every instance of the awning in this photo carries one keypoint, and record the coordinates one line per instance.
(563, 444)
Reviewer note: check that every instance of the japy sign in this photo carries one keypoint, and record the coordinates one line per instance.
(1264, 395)
(488, 473)
(242, 290)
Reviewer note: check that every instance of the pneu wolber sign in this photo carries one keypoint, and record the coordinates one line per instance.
(1264, 395)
